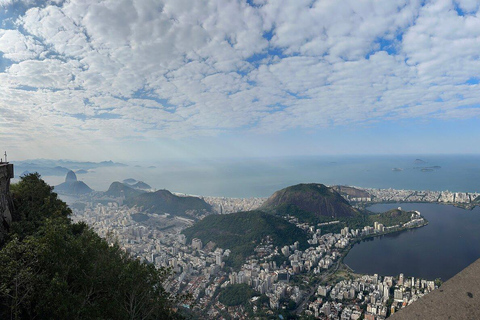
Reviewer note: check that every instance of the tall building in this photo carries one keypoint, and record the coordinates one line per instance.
(182, 239)
(197, 244)
(218, 258)
(398, 295)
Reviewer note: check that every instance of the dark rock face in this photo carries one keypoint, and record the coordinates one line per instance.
(73, 188)
(71, 176)
(6, 173)
(313, 198)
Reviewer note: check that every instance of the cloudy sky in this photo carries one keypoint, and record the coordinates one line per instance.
(151, 79)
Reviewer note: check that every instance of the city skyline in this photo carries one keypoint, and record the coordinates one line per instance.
(160, 80)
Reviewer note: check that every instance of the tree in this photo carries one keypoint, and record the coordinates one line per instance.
(34, 202)
(51, 268)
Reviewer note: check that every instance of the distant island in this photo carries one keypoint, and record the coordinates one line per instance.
(419, 161)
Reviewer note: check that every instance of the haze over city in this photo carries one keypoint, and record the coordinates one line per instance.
(150, 80)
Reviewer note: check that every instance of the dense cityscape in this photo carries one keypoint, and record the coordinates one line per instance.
(254, 121)
(313, 282)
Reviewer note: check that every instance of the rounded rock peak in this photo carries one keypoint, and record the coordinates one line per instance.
(71, 176)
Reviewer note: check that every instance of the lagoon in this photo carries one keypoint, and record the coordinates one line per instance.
(448, 244)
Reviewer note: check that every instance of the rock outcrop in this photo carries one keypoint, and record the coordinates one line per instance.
(6, 206)
(71, 176)
(72, 186)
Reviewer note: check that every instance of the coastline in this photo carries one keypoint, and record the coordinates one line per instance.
(361, 198)
(372, 236)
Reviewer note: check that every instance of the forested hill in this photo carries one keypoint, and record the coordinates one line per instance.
(241, 232)
(51, 268)
(163, 201)
(310, 202)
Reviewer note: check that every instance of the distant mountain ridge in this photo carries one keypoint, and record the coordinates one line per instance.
(118, 190)
(137, 184)
(49, 167)
(141, 185)
(163, 201)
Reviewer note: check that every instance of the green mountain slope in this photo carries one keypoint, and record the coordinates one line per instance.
(309, 202)
(241, 232)
(391, 217)
(163, 201)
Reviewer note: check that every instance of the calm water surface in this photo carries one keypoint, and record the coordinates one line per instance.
(262, 177)
(448, 244)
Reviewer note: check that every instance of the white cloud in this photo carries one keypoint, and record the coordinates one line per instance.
(123, 69)
(18, 47)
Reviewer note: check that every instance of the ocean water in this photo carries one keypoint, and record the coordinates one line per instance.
(262, 177)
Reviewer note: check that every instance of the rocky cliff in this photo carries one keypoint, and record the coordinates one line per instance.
(6, 173)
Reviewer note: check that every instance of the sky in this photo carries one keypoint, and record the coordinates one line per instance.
(151, 80)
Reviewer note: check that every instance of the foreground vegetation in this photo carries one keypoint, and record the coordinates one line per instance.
(51, 268)
(236, 294)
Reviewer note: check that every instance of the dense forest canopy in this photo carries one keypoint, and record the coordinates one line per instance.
(241, 232)
(51, 268)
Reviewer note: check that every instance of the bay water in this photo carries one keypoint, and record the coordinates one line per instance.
(441, 249)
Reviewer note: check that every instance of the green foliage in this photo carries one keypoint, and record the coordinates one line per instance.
(316, 203)
(302, 215)
(53, 269)
(279, 259)
(332, 228)
(291, 305)
(34, 203)
(263, 300)
(242, 231)
(139, 217)
(391, 218)
(236, 294)
(309, 201)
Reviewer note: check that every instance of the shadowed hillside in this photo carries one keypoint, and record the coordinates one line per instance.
(118, 189)
(310, 202)
(163, 201)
